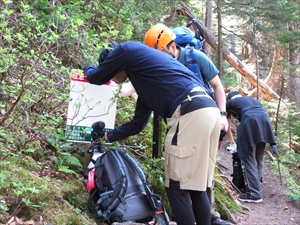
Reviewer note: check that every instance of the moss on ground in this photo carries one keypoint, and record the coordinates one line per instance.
(223, 202)
(25, 194)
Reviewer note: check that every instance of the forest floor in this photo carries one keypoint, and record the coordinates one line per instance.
(276, 209)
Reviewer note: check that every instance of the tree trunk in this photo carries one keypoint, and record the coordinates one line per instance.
(220, 41)
(208, 23)
(266, 91)
(273, 79)
(257, 65)
(294, 60)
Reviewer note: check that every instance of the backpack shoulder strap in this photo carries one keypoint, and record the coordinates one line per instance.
(190, 59)
(114, 197)
(154, 199)
(189, 55)
(142, 176)
(122, 159)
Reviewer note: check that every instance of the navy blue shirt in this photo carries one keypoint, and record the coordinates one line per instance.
(160, 81)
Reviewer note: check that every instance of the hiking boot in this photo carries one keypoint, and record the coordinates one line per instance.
(245, 198)
(218, 221)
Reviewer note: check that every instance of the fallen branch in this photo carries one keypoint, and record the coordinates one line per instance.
(219, 164)
(231, 183)
(227, 55)
(270, 155)
(231, 218)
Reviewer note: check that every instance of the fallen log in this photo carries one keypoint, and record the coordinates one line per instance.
(267, 92)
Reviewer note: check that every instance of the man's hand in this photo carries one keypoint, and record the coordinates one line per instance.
(224, 123)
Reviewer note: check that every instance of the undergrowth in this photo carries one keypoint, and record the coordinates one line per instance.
(27, 194)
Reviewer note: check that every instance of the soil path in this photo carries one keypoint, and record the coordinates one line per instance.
(276, 208)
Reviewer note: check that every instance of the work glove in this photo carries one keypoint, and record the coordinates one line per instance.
(274, 148)
(97, 134)
(231, 149)
(105, 51)
(98, 130)
(103, 55)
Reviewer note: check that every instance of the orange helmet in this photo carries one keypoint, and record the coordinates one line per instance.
(159, 36)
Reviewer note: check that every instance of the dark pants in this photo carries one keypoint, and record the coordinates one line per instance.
(253, 171)
(211, 198)
(188, 206)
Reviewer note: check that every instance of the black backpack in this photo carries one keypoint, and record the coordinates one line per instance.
(238, 173)
(122, 192)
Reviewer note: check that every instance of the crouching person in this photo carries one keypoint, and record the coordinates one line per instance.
(254, 131)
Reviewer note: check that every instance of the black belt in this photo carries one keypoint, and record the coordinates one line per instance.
(195, 93)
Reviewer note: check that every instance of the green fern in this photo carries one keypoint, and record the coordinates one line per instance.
(293, 196)
(65, 169)
(72, 161)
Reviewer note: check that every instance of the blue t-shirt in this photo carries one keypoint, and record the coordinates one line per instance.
(160, 81)
(205, 65)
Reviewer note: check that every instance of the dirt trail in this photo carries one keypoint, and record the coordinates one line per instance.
(276, 208)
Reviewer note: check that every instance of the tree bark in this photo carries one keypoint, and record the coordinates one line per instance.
(220, 41)
(294, 78)
(273, 79)
(208, 23)
(266, 91)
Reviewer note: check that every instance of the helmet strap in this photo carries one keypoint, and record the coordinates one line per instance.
(167, 50)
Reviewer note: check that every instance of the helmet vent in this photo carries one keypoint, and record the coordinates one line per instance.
(156, 45)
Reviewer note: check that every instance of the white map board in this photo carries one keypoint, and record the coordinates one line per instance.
(89, 103)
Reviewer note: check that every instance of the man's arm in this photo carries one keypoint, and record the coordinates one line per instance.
(229, 135)
(115, 62)
(232, 148)
(210, 72)
(136, 125)
(220, 99)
